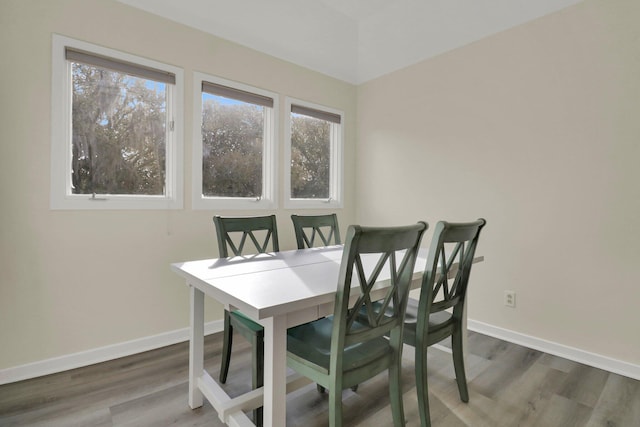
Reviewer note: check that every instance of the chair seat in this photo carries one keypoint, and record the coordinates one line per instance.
(312, 342)
(437, 321)
(238, 316)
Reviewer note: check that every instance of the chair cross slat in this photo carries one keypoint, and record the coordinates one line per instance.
(365, 289)
(448, 268)
(260, 247)
(309, 227)
(317, 231)
(376, 312)
(236, 250)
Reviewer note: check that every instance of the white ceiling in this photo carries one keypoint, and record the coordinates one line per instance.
(352, 40)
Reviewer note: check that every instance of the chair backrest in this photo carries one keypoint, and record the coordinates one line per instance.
(232, 234)
(308, 227)
(447, 271)
(372, 254)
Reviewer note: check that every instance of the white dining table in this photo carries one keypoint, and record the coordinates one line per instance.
(278, 290)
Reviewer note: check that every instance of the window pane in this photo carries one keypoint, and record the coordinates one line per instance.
(119, 133)
(232, 146)
(310, 157)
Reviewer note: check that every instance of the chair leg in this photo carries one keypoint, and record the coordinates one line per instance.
(458, 364)
(422, 387)
(335, 407)
(395, 393)
(257, 373)
(226, 348)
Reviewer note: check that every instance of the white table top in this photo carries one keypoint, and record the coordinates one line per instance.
(270, 284)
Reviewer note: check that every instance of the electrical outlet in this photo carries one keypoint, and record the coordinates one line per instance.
(510, 298)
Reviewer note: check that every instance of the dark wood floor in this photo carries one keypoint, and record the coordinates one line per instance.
(509, 386)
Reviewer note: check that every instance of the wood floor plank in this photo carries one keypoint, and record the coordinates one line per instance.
(619, 403)
(562, 412)
(507, 365)
(167, 407)
(584, 384)
(480, 411)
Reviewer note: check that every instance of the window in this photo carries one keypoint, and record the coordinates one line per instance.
(116, 130)
(313, 175)
(234, 145)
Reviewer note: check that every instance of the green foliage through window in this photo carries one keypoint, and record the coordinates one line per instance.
(310, 157)
(232, 147)
(119, 133)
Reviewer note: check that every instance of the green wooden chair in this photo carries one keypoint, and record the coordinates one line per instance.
(233, 234)
(439, 312)
(308, 227)
(341, 351)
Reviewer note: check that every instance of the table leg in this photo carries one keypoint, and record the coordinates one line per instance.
(196, 347)
(275, 371)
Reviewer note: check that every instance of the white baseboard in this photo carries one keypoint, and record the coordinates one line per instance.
(596, 360)
(101, 354)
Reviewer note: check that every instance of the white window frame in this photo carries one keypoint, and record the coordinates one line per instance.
(61, 147)
(268, 200)
(336, 179)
